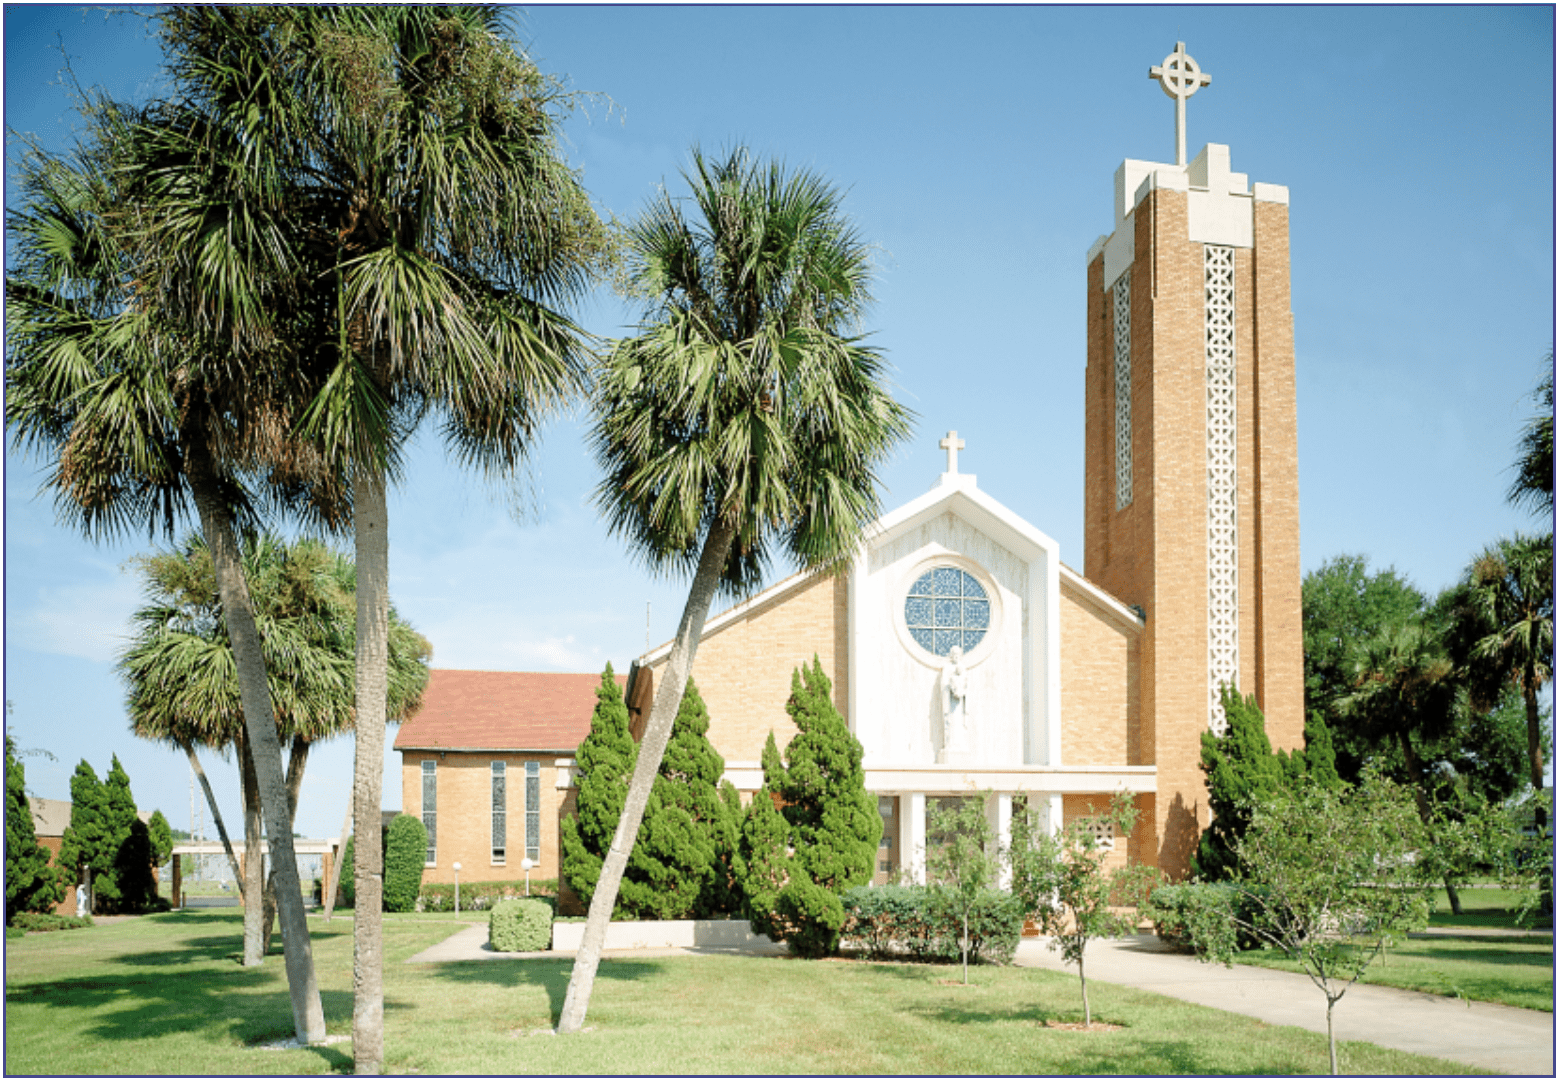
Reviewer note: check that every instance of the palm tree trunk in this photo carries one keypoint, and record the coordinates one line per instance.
(308, 1016)
(295, 763)
(335, 865)
(1529, 688)
(216, 814)
(657, 733)
(254, 863)
(371, 522)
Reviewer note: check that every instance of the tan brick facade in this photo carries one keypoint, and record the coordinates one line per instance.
(1100, 691)
(1153, 552)
(743, 668)
(464, 823)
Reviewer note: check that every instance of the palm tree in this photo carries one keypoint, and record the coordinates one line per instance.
(142, 416)
(1503, 636)
(1533, 486)
(742, 419)
(436, 234)
(181, 676)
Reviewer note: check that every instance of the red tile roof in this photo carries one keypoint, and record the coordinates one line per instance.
(502, 711)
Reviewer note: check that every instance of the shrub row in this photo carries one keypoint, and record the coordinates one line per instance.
(482, 896)
(520, 926)
(920, 923)
(48, 921)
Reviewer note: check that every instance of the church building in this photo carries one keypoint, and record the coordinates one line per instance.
(965, 655)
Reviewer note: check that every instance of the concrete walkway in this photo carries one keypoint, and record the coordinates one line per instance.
(1500, 1038)
(1481, 1034)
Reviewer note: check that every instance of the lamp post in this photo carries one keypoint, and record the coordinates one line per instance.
(526, 865)
(457, 887)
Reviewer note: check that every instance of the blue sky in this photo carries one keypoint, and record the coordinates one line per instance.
(978, 148)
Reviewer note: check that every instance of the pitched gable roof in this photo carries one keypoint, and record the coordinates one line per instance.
(502, 711)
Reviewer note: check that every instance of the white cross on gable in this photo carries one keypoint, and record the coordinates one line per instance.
(952, 444)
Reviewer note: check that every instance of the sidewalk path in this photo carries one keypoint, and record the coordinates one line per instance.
(1482, 1034)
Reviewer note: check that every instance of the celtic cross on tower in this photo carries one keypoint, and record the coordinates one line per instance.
(1180, 77)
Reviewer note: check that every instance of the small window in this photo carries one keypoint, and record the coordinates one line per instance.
(1104, 834)
(500, 821)
(430, 807)
(533, 811)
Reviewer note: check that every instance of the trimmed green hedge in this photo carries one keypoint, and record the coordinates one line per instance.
(919, 923)
(520, 926)
(48, 921)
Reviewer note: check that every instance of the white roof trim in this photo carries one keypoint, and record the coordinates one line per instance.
(1100, 597)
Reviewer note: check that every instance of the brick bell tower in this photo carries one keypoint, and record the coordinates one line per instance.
(1191, 487)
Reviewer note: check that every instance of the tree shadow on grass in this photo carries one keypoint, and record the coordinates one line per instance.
(549, 974)
(216, 1005)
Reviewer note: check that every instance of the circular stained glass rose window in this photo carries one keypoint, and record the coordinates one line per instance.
(947, 607)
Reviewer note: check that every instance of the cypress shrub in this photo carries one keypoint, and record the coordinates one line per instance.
(765, 838)
(1242, 771)
(833, 824)
(676, 869)
(405, 855)
(520, 926)
(87, 839)
(605, 761)
(30, 884)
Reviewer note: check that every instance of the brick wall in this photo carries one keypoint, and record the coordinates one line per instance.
(1099, 687)
(743, 670)
(465, 813)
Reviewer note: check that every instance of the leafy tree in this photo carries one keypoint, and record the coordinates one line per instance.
(161, 838)
(605, 760)
(1063, 882)
(1345, 603)
(30, 884)
(744, 417)
(1329, 877)
(765, 854)
(963, 859)
(405, 857)
(676, 868)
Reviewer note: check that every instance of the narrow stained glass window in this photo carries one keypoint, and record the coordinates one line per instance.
(533, 810)
(500, 818)
(430, 807)
(947, 607)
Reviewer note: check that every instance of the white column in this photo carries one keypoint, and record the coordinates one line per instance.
(912, 834)
(998, 811)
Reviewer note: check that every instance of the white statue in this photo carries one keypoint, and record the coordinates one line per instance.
(955, 704)
(81, 900)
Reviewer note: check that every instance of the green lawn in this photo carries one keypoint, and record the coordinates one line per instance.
(1485, 906)
(1513, 971)
(164, 994)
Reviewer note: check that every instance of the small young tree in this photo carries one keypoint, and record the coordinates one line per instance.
(1329, 877)
(1062, 880)
(605, 761)
(963, 858)
(30, 884)
(405, 856)
(834, 824)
